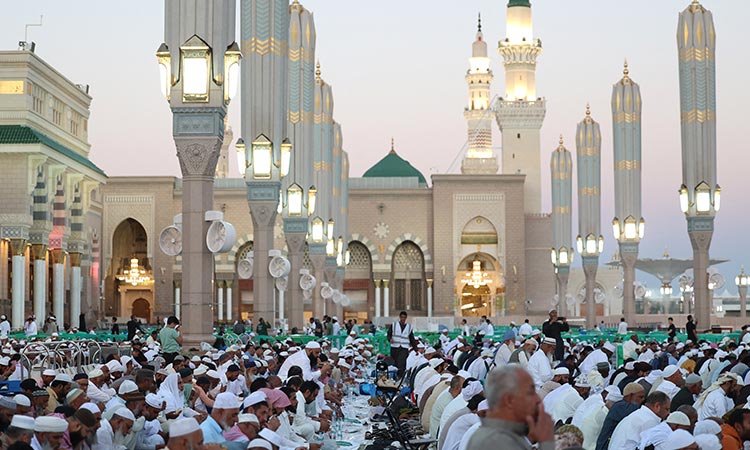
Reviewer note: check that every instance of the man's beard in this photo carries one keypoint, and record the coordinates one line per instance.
(91, 439)
(47, 446)
(313, 360)
(76, 437)
(119, 438)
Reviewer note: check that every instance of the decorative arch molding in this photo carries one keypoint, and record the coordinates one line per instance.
(367, 243)
(409, 237)
(119, 207)
(242, 240)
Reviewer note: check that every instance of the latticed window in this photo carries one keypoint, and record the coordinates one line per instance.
(359, 256)
(306, 261)
(408, 277)
(246, 248)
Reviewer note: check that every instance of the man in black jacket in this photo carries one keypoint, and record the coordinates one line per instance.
(553, 328)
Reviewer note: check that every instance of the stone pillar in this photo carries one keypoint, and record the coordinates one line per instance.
(429, 297)
(58, 284)
(590, 265)
(701, 231)
(386, 300)
(330, 274)
(75, 289)
(295, 233)
(281, 307)
(177, 298)
(4, 244)
(377, 297)
(563, 273)
(18, 247)
(318, 260)
(628, 256)
(229, 301)
(39, 252)
(263, 198)
(743, 300)
(220, 300)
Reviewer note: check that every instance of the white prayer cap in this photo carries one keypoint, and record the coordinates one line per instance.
(254, 398)
(669, 371)
(707, 442)
(213, 374)
(91, 407)
(561, 371)
(260, 443)
(150, 355)
(706, 427)
(248, 418)
(334, 350)
(7, 403)
(50, 424)
(487, 352)
(95, 373)
(483, 406)
(181, 427)
(127, 387)
(154, 401)
(430, 350)
(23, 422)
(613, 394)
(721, 354)
(125, 413)
(293, 349)
(312, 345)
(434, 362)
(677, 440)
(115, 366)
(420, 345)
(630, 365)
(549, 341)
(582, 382)
(344, 364)
(610, 347)
(535, 332)
(270, 436)
(472, 389)
(353, 333)
(227, 400)
(464, 374)
(49, 373)
(678, 418)
(21, 400)
(64, 377)
(200, 370)
(124, 360)
(195, 358)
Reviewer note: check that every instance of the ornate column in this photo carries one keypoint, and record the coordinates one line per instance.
(590, 242)
(377, 297)
(429, 297)
(177, 298)
(318, 260)
(18, 247)
(295, 233)
(386, 300)
(330, 274)
(39, 253)
(58, 284)
(204, 34)
(75, 289)
(699, 194)
(561, 170)
(4, 269)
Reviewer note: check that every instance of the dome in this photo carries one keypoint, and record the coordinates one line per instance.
(394, 166)
(513, 3)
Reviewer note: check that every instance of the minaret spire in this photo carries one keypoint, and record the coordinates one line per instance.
(479, 157)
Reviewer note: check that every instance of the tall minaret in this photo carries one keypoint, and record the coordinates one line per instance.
(520, 113)
(222, 165)
(479, 158)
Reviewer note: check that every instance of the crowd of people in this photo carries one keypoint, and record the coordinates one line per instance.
(529, 388)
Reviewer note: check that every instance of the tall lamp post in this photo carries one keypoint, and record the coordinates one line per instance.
(700, 195)
(561, 167)
(265, 31)
(590, 242)
(742, 281)
(199, 63)
(627, 226)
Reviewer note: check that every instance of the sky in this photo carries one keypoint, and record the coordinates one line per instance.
(397, 69)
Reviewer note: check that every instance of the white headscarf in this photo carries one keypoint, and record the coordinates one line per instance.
(170, 392)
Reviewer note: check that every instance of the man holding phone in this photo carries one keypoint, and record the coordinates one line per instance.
(553, 328)
(171, 340)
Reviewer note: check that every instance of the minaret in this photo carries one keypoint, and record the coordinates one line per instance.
(479, 158)
(699, 194)
(561, 173)
(520, 113)
(222, 165)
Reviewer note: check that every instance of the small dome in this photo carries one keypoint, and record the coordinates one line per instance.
(394, 166)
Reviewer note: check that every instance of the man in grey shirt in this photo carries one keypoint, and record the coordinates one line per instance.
(516, 418)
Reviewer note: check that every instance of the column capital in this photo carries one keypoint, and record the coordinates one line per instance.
(377, 283)
(39, 251)
(58, 256)
(385, 283)
(590, 261)
(75, 259)
(198, 156)
(18, 246)
(177, 284)
(429, 282)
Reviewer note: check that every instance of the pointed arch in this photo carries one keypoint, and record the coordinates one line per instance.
(408, 237)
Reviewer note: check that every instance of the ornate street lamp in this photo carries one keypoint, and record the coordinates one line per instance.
(628, 226)
(742, 281)
(700, 194)
(590, 242)
(198, 69)
(561, 167)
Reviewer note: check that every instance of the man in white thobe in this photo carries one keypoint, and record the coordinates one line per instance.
(590, 418)
(540, 363)
(525, 329)
(506, 349)
(658, 434)
(599, 355)
(714, 401)
(479, 368)
(627, 434)
(562, 403)
(672, 377)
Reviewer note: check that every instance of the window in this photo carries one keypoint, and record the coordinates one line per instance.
(38, 96)
(57, 111)
(408, 277)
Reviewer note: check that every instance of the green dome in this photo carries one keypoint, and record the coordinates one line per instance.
(525, 3)
(394, 166)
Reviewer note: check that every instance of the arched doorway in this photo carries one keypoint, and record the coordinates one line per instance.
(358, 282)
(245, 305)
(407, 273)
(142, 309)
(480, 284)
(476, 301)
(129, 275)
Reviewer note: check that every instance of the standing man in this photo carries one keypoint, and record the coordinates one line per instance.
(553, 328)
(401, 337)
(4, 326)
(690, 327)
(30, 327)
(622, 327)
(672, 329)
(133, 326)
(171, 341)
